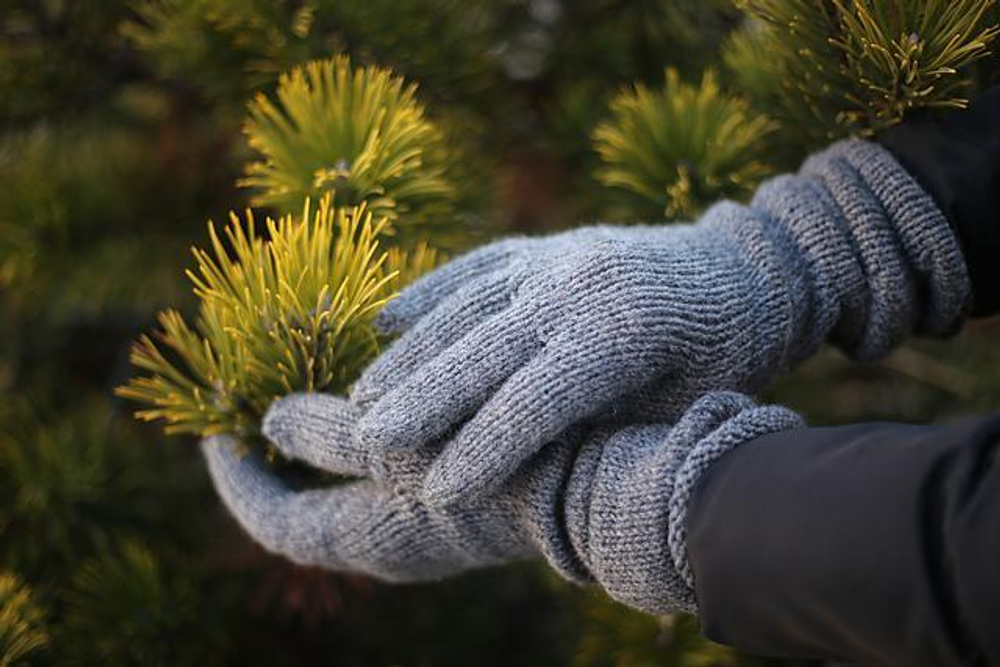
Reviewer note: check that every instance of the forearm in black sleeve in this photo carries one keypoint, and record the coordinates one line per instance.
(875, 543)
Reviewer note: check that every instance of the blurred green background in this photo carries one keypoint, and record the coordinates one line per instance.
(120, 135)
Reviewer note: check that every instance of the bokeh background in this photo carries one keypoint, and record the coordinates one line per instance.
(120, 135)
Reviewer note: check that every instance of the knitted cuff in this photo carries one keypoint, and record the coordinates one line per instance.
(627, 501)
(750, 423)
(915, 275)
(618, 520)
(928, 241)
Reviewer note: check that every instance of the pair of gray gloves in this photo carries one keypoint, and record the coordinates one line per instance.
(562, 396)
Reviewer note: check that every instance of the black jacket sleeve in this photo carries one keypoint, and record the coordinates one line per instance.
(875, 543)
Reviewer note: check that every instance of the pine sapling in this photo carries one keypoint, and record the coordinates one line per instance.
(681, 147)
(359, 132)
(289, 312)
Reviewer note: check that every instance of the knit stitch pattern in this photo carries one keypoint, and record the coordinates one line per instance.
(505, 348)
(562, 397)
(607, 506)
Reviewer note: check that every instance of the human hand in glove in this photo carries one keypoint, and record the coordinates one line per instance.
(606, 506)
(505, 348)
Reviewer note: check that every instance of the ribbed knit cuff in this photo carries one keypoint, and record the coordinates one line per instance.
(916, 279)
(627, 500)
(749, 424)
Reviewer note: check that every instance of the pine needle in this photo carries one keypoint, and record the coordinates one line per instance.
(292, 312)
(682, 147)
(22, 622)
(840, 68)
(360, 133)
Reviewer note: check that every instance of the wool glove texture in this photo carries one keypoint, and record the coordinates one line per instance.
(606, 506)
(504, 348)
(955, 156)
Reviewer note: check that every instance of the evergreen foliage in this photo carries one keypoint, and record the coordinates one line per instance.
(232, 47)
(70, 484)
(682, 147)
(48, 48)
(225, 47)
(843, 67)
(629, 638)
(121, 133)
(65, 195)
(153, 613)
(292, 312)
(358, 132)
(22, 622)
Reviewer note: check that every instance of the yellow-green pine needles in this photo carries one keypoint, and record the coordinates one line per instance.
(22, 622)
(682, 146)
(292, 312)
(359, 132)
(855, 67)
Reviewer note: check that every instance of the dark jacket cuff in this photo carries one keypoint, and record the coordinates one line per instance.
(875, 543)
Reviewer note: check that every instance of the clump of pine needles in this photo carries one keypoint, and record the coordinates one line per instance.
(358, 132)
(22, 622)
(145, 598)
(681, 147)
(844, 67)
(290, 312)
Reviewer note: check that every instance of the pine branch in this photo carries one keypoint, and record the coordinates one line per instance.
(682, 147)
(843, 68)
(71, 479)
(22, 623)
(290, 313)
(358, 132)
(126, 606)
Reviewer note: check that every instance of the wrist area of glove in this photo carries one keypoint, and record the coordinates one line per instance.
(627, 497)
(915, 275)
(955, 156)
(880, 259)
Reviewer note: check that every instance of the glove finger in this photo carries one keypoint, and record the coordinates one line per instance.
(309, 527)
(560, 387)
(318, 429)
(435, 332)
(422, 296)
(452, 386)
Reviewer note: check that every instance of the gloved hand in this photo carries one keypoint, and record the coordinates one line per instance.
(608, 506)
(506, 347)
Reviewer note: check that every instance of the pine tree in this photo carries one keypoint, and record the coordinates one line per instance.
(409, 127)
(839, 68)
(293, 311)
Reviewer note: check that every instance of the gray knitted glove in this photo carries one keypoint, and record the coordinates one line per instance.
(506, 347)
(609, 507)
